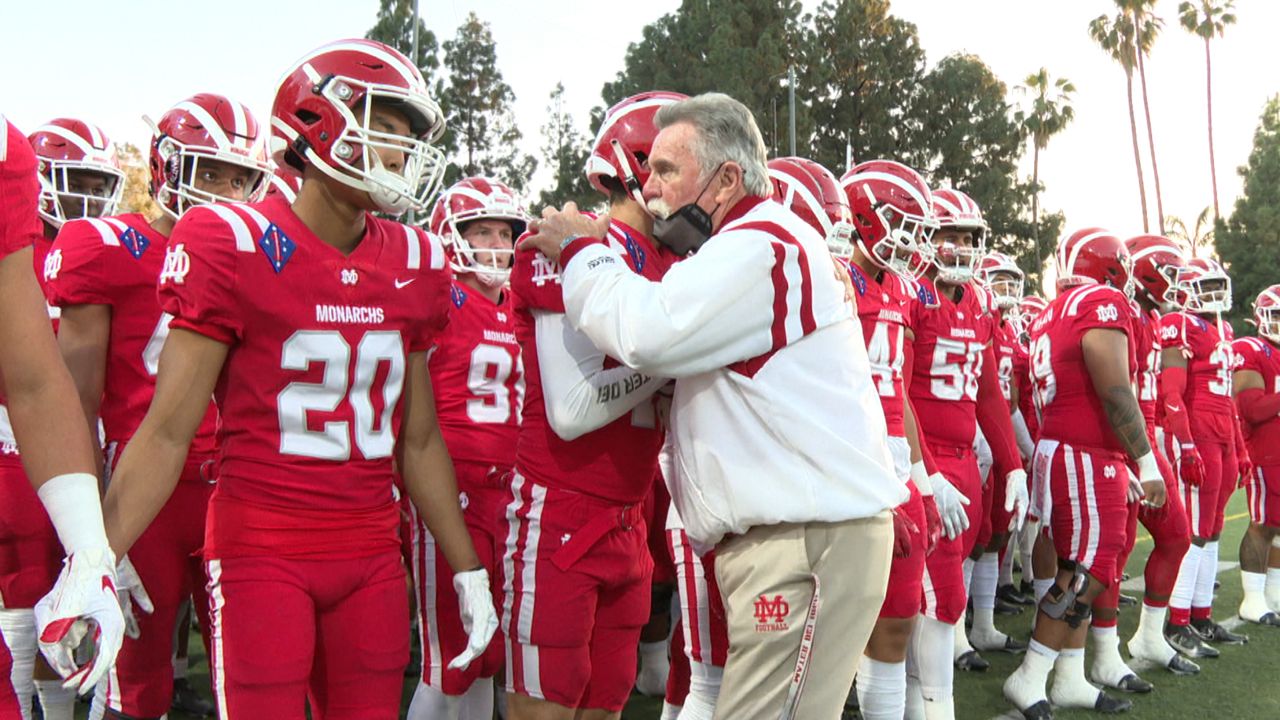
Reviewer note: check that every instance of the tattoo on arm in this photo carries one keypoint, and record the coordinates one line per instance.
(622, 387)
(1125, 418)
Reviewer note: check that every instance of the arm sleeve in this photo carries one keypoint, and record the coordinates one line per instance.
(580, 394)
(993, 417)
(203, 298)
(1022, 434)
(1242, 449)
(1173, 386)
(908, 370)
(1257, 407)
(709, 311)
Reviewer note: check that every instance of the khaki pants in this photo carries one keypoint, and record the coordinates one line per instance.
(767, 577)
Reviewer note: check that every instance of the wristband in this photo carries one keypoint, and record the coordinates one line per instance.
(920, 476)
(75, 510)
(1148, 468)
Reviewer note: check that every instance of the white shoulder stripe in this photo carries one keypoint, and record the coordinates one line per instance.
(106, 230)
(413, 248)
(244, 240)
(1078, 296)
(257, 217)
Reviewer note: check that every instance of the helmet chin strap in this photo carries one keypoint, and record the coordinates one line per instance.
(629, 180)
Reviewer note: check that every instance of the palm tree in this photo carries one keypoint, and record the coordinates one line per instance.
(1147, 26)
(1208, 19)
(1049, 114)
(1201, 235)
(1116, 37)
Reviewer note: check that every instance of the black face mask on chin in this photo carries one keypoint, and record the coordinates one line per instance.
(687, 229)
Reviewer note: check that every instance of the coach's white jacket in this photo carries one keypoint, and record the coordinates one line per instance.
(775, 418)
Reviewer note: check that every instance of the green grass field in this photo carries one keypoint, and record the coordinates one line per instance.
(1243, 683)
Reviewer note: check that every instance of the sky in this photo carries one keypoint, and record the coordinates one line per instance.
(142, 56)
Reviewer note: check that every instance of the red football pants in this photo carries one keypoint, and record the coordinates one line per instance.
(285, 631)
(943, 581)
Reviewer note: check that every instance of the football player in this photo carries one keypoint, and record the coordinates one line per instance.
(1091, 427)
(207, 148)
(955, 389)
(887, 215)
(311, 324)
(57, 459)
(479, 380)
(576, 567)
(1200, 439)
(79, 175)
(1156, 261)
(1256, 385)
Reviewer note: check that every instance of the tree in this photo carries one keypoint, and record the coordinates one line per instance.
(1249, 241)
(1146, 27)
(739, 47)
(1197, 236)
(477, 101)
(137, 182)
(565, 151)
(1208, 19)
(862, 75)
(1049, 114)
(395, 28)
(1116, 37)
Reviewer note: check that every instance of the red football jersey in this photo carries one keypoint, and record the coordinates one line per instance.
(1070, 410)
(1026, 391)
(478, 377)
(950, 340)
(1259, 355)
(885, 310)
(19, 191)
(310, 390)
(1210, 363)
(1006, 345)
(116, 261)
(617, 462)
(1146, 342)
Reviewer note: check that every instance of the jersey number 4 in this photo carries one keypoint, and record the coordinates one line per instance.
(341, 380)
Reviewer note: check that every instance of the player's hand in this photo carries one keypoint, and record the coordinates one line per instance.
(932, 523)
(951, 503)
(1016, 500)
(1190, 465)
(479, 620)
(842, 274)
(1244, 466)
(82, 603)
(557, 226)
(130, 592)
(903, 527)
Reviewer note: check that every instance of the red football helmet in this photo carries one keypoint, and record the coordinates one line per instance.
(1205, 286)
(1266, 313)
(478, 198)
(322, 114)
(1006, 290)
(891, 208)
(621, 148)
(69, 152)
(285, 182)
(1026, 313)
(204, 127)
(1093, 255)
(1156, 262)
(957, 211)
(810, 190)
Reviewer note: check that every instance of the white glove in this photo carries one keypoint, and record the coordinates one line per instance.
(951, 504)
(129, 590)
(1148, 486)
(479, 619)
(1015, 498)
(82, 603)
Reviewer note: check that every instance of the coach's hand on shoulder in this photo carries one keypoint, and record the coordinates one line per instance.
(479, 619)
(82, 604)
(556, 228)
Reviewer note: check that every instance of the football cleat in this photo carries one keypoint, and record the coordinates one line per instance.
(1010, 594)
(187, 700)
(1188, 642)
(1006, 608)
(1215, 633)
(972, 662)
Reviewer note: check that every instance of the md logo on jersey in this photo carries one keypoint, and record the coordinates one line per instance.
(53, 264)
(177, 263)
(277, 246)
(135, 242)
(1108, 313)
(635, 252)
(457, 296)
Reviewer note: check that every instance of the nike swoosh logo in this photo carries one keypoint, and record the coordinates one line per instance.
(403, 283)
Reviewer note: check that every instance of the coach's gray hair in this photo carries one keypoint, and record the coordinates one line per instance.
(726, 132)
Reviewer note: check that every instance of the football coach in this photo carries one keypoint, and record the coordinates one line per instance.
(782, 464)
